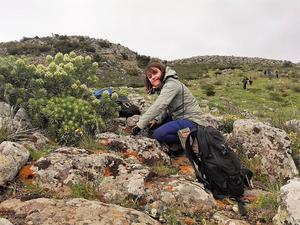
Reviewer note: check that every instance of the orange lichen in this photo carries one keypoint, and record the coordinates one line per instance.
(107, 171)
(186, 169)
(221, 204)
(134, 154)
(169, 188)
(189, 221)
(26, 174)
(250, 198)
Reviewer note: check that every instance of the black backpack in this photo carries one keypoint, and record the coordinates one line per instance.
(127, 108)
(217, 166)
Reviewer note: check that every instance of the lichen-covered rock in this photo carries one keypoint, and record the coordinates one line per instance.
(35, 140)
(289, 201)
(268, 146)
(147, 149)
(110, 175)
(222, 219)
(139, 101)
(12, 122)
(5, 222)
(12, 157)
(177, 193)
(44, 211)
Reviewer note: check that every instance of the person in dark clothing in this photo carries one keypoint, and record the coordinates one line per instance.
(246, 81)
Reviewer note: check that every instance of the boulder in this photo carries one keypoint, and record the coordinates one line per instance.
(12, 122)
(289, 201)
(267, 146)
(45, 211)
(12, 157)
(148, 150)
(5, 222)
(110, 175)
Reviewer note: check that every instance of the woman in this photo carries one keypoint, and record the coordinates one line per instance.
(174, 101)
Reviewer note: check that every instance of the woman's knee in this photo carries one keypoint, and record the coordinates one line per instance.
(159, 134)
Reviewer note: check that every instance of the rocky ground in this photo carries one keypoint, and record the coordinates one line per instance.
(125, 179)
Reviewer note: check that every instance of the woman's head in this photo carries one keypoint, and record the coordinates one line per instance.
(154, 75)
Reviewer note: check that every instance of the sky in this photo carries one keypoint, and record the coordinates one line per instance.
(168, 29)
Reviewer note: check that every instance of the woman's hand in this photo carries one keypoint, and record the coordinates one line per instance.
(152, 123)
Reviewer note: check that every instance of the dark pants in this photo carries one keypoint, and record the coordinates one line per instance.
(167, 132)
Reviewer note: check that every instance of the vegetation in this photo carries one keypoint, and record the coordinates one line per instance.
(83, 190)
(57, 94)
(163, 170)
(35, 154)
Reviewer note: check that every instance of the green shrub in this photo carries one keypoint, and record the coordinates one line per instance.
(209, 89)
(57, 94)
(226, 125)
(275, 96)
(69, 117)
(270, 87)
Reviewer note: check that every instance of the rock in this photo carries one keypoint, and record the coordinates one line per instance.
(148, 150)
(44, 211)
(131, 121)
(111, 176)
(222, 219)
(5, 222)
(268, 146)
(12, 157)
(176, 192)
(213, 121)
(35, 141)
(139, 101)
(12, 122)
(289, 201)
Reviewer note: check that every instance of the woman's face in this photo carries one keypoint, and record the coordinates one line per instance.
(154, 75)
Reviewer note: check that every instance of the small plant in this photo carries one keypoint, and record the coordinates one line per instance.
(42, 152)
(89, 142)
(270, 87)
(209, 89)
(83, 190)
(170, 215)
(129, 201)
(226, 125)
(163, 170)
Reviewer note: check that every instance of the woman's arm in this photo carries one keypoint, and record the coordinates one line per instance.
(167, 94)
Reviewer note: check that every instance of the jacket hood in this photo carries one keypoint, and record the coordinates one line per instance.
(170, 73)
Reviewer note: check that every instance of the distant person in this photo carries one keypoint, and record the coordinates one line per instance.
(246, 81)
(277, 74)
(174, 109)
(269, 73)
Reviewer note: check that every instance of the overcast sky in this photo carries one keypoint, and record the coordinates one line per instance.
(168, 29)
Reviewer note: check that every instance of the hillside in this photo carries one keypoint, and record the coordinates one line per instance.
(67, 157)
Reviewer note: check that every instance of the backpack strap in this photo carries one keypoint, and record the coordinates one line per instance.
(194, 159)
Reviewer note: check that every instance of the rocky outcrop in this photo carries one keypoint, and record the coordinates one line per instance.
(10, 121)
(267, 146)
(289, 201)
(44, 211)
(230, 61)
(5, 222)
(12, 157)
(148, 150)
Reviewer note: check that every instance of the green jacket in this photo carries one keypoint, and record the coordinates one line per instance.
(175, 100)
